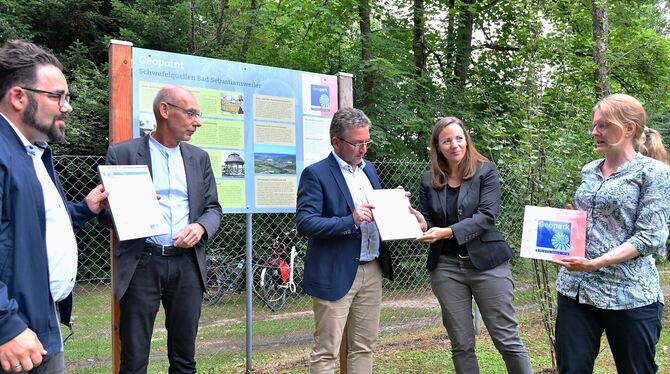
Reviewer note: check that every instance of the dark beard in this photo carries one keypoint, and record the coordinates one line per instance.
(51, 131)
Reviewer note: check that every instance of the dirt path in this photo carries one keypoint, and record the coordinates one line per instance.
(305, 339)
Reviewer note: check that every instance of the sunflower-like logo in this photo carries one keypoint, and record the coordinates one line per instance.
(561, 241)
(324, 101)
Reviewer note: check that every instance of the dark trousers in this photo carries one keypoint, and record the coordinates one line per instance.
(52, 363)
(631, 333)
(174, 281)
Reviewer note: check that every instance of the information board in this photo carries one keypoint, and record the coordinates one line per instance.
(260, 126)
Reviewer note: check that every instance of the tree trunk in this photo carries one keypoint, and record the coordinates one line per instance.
(450, 50)
(366, 54)
(219, 22)
(191, 34)
(418, 44)
(248, 30)
(600, 44)
(464, 39)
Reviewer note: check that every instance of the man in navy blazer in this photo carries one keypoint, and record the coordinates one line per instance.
(38, 250)
(345, 258)
(168, 269)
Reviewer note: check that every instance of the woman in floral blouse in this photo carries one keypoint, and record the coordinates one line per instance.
(615, 289)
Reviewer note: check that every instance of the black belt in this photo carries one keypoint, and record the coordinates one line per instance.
(366, 262)
(465, 262)
(163, 250)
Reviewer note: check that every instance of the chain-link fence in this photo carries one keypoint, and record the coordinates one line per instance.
(282, 316)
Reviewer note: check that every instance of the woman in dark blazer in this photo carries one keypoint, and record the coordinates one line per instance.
(460, 201)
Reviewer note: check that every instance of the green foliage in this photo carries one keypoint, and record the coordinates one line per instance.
(528, 93)
(87, 128)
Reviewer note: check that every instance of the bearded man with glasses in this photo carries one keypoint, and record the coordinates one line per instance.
(168, 268)
(38, 249)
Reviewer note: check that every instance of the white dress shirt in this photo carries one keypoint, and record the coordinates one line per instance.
(358, 184)
(60, 240)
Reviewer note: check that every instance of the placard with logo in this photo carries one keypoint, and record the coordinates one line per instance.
(550, 233)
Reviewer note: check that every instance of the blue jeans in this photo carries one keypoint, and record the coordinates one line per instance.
(632, 335)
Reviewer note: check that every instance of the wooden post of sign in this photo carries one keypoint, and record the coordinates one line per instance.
(120, 129)
(345, 99)
(345, 91)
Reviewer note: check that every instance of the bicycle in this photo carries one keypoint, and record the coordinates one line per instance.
(223, 277)
(274, 277)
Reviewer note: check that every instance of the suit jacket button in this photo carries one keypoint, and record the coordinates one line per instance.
(357, 259)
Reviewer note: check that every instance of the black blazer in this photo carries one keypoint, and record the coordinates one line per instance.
(203, 205)
(478, 208)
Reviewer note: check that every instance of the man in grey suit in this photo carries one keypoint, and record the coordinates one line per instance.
(170, 268)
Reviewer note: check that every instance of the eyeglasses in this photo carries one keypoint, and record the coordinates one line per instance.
(191, 114)
(357, 145)
(600, 126)
(63, 97)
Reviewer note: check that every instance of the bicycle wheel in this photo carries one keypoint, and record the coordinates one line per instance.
(268, 286)
(214, 289)
(298, 269)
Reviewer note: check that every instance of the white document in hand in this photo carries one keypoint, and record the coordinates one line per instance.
(392, 214)
(132, 199)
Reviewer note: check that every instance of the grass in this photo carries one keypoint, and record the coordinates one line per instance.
(412, 339)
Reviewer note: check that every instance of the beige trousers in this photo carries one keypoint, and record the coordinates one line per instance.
(359, 310)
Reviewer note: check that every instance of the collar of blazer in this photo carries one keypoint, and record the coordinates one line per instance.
(342, 184)
(464, 189)
(144, 158)
(144, 155)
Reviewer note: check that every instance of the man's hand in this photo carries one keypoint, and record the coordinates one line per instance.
(362, 213)
(22, 353)
(97, 199)
(189, 236)
(407, 193)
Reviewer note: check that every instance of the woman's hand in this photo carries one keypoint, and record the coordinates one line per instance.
(419, 218)
(435, 234)
(622, 253)
(577, 263)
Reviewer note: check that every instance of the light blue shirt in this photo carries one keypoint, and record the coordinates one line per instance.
(358, 183)
(169, 177)
(630, 206)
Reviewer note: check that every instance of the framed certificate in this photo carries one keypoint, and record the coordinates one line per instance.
(132, 200)
(549, 233)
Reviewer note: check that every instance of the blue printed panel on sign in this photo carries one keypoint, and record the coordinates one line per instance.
(320, 96)
(553, 237)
